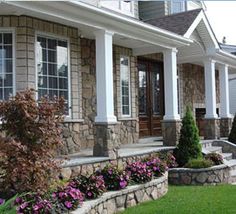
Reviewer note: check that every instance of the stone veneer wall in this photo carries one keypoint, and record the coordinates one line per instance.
(116, 201)
(127, 128)
(25, 31)
(192, 87)
(213, 175)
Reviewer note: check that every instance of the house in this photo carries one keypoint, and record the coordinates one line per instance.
(123, 78)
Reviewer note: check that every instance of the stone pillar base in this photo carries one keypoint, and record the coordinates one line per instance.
(107, 140)
(212, 128)
(225, 126)
(170, 132)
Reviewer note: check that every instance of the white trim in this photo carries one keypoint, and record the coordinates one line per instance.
(75, 12)
(129, 70)
(57, 37)
(201, 17)
(13, 32)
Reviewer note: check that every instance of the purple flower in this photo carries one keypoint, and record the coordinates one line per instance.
(2, 201)
(24, 205)
(123, 184)
(68, 204)
(18, 200)
(89, 194)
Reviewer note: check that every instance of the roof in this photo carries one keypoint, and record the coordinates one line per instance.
(177, 23)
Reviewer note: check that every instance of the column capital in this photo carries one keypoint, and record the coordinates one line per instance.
(209, 60)
(171, 50)
(103, 32)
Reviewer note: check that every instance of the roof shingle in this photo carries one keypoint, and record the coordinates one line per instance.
(177, 23)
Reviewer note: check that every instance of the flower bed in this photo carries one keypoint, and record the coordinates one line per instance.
(71, 194)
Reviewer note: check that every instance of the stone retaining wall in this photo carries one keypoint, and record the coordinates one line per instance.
(207, 176)
(88, 167)
(115, 201)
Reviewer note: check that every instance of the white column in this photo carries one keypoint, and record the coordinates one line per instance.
(104, 77)
(224, 91)
(170, 80)
(210, 89)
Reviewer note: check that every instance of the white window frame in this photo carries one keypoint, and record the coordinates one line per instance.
(55, 36)
(129, 70)
(13, 32)
(120, 9)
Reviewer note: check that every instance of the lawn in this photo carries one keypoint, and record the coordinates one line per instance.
(191, 200)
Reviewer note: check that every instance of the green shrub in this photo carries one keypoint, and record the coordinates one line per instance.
(189, 146)
(199, 163)
(232, 135)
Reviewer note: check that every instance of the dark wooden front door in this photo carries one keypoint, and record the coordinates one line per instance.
(150, 98)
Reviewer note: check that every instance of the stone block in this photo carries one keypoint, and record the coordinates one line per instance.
(66, 173)
(212, 129)
(225, 126)
(170, 132)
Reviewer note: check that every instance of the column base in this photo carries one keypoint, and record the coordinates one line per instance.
(107, 140)
(171, 132)
(225, 126)
(212, 128)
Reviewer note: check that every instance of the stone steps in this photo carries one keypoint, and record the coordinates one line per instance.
(207, 147)
(227, 156)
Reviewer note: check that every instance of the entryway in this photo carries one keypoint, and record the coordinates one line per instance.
(151, 97)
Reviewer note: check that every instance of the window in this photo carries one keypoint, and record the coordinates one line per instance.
(52, 68)
(125, 85)
(126, 7)
(6, 65)
(177, 6)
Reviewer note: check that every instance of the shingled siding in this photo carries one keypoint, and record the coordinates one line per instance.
(192, 87)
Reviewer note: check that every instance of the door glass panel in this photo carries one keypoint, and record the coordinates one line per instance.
(142, 89)
(156, 92)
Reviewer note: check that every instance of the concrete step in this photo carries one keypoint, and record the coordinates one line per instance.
(227, 156)
(214, 149)
(231, 164)
(206, 143)
(233, 176)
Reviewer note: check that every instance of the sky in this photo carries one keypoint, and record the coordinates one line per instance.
(222, 17)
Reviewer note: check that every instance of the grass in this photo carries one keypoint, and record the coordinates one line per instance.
(191, 200)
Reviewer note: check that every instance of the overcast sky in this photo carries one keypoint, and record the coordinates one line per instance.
(222, 17)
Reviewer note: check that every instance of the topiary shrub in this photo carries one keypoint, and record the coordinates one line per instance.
(189, 146)
(32, 134)
(232, 135)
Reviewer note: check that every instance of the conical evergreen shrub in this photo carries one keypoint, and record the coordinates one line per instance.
(189, 146)
(232, 135)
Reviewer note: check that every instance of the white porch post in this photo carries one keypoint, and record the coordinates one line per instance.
(224, 91)
(210, 89)
(170, 82)
(171, 121)
(104, 77)
(225, 116)
(211, 118)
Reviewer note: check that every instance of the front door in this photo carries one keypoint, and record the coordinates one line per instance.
(151, 103)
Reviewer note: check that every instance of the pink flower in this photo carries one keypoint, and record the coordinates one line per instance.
(68, 204)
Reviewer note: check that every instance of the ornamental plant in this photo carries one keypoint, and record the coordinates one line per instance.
(115, 179)
(232, 135)
(189, 146)
(68, 198)
(139, 172)
(216, 158)
(32, 203)
(92, 186)
(157, 166)
(32, 134)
